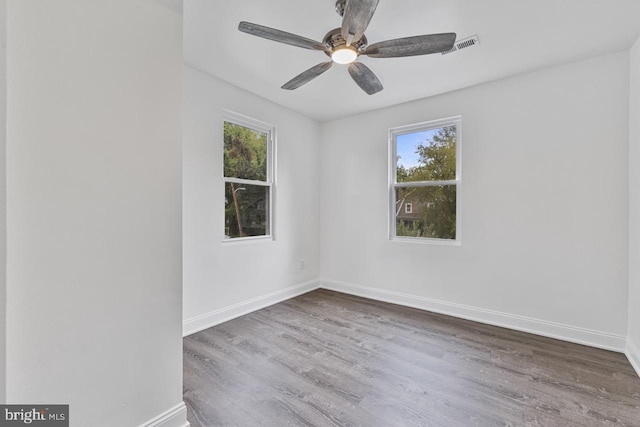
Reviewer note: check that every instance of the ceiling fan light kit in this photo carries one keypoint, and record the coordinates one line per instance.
(344, 55)
(345, 44)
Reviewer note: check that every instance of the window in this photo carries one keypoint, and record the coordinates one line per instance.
(424, 182)
(248, 177)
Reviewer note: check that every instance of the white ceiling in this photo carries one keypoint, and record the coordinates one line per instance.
(515, 37)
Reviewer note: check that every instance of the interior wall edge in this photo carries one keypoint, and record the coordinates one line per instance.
(213, 318)
(173, 417)
(592, 338)
(3, 198)
(633, 311)
(633, 354)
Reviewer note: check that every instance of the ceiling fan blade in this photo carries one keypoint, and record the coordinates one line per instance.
(364, 77)
(411, 46)
(307, 76)
(280, 36)
(356, 18)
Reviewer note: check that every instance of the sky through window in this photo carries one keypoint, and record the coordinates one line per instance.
(407, 145)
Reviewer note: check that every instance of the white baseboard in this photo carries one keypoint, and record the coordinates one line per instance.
(198, 323)
(535, 326)
(633, 354)
(174, 417)
(592, 338)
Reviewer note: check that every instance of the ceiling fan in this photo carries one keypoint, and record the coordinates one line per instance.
(344, 45)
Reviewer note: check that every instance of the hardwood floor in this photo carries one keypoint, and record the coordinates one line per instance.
(330, 359)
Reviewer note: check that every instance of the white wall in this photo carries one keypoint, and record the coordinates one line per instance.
(94, 209)
(634, 210)
(222, 281)
(544, 204)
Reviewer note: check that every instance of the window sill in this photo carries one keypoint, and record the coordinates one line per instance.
(247, 240)
(424, 241)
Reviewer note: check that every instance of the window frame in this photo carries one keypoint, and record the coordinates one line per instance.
(270, 131)
(393, 184)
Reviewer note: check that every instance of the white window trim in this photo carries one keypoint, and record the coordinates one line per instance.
(401, 130)
(270, 130)
(408, 208)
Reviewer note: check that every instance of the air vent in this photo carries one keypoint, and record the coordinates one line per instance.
(462, 44)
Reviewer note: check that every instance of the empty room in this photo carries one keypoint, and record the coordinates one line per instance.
(454, 249)
(320, 213)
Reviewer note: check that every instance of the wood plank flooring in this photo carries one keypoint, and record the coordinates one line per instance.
(330, 359)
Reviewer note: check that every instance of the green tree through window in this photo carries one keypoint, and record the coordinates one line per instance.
(245, 152)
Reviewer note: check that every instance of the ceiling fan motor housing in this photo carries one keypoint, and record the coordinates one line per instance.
(334, 40)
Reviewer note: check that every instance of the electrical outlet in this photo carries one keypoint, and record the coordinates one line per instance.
(301, 263)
